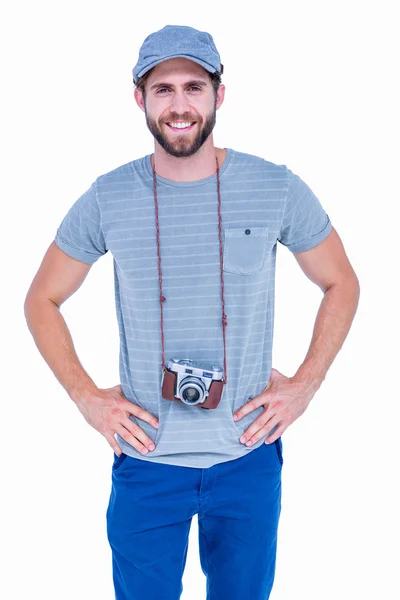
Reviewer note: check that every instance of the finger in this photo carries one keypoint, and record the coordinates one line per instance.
(272, 426)
(131, 439)
(263, 421)
(257, 435)
(141, 413)
(113, 443)
(264, 428)
(248, 407)
(256, 426)
(277, 433)
(272, 418)
(137, 432)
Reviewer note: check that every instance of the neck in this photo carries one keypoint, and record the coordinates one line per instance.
(188, 168)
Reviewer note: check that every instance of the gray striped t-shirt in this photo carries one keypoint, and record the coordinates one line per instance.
(117, 214)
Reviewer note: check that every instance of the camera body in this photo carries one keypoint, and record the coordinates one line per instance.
(194, 384)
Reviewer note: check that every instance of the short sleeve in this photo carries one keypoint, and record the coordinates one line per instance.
(305, 223)
(80, 233)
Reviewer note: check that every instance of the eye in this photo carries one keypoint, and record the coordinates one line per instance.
(192, 87)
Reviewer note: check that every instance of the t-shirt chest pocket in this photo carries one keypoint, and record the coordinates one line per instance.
(244, 249)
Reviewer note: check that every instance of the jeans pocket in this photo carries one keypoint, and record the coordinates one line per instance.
(278, 449)
(244, 249)
(118, 461)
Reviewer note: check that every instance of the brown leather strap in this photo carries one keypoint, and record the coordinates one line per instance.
(162, 297)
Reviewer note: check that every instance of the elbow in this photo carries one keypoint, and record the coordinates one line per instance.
(33, 303)
(353, 283)
(348, 285)
(29, 307)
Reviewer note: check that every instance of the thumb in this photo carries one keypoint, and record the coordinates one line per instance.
(275, 374)
(118, 390)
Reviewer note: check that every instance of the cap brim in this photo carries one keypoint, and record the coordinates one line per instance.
(200, 62)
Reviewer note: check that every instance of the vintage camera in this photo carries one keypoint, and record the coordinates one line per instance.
(195, 384)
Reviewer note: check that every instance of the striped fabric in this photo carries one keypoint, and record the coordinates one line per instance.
(117, 214)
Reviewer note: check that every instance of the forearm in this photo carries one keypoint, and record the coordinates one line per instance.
(54, 342)
(332, 324)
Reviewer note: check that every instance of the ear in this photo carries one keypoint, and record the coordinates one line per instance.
(138, 94)
(220, 96)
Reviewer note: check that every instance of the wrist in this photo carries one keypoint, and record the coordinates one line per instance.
(81, 392)
(308, 376)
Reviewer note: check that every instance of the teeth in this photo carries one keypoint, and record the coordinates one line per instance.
(180, 125)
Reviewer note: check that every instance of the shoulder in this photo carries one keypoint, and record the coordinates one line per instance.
(244, 160)
(129, 173)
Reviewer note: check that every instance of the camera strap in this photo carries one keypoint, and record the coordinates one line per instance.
(162, 297)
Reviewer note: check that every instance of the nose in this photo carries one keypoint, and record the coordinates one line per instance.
(180, 103)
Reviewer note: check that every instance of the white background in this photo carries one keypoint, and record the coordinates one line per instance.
(309, 84)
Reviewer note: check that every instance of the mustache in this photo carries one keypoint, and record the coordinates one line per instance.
(185, 118)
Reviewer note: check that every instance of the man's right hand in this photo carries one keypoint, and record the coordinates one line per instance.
(108, 410)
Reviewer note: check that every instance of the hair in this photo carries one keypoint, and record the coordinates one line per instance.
(141, 82)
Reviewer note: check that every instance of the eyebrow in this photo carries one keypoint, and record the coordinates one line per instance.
(198, 82)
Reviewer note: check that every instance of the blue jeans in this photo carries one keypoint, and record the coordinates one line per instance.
(150, 511)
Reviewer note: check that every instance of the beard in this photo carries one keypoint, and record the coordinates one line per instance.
(183, 145)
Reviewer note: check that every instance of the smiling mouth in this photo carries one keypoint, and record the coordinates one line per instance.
(180, 129)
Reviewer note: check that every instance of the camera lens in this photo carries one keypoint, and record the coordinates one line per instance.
(191, 390)
(190, 394)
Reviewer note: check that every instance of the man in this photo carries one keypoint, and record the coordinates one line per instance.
(193, 231)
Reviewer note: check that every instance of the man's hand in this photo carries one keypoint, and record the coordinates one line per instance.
(108, 410)
(284, 400)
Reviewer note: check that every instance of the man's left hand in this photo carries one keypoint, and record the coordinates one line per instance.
(284, 401)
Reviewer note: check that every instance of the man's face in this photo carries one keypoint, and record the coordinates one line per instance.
(179, 92)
